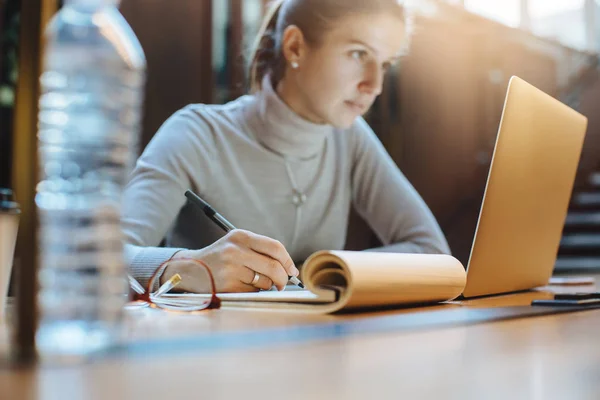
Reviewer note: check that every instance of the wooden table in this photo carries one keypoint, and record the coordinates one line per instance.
(550, 357)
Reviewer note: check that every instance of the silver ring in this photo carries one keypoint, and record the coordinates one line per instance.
(256, 278)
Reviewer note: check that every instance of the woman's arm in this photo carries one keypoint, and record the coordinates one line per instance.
(182, 155)
(388, 202)
(155, 192)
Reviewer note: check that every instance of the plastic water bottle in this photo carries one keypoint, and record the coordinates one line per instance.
(92, 86)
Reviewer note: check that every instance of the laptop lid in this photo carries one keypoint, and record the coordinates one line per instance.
(527, 194)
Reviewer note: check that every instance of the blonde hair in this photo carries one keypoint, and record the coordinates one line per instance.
(314, 18)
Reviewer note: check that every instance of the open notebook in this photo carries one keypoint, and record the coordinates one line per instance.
(345, 280)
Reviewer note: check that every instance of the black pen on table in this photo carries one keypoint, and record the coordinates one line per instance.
(223, 223)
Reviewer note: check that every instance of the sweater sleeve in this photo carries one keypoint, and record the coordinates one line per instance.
(152, 199)
(388, 202)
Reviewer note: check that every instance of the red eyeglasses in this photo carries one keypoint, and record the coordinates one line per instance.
(185, 306)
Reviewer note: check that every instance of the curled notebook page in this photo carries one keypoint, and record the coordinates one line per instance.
(348, 280)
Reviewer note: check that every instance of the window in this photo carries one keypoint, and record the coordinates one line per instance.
(504, 11)
(562, 20)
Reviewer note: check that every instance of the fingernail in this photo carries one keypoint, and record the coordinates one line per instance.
(295, 271)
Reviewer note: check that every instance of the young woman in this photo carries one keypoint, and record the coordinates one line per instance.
(285, 163)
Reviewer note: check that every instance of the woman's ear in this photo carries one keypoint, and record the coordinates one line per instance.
(293, 46)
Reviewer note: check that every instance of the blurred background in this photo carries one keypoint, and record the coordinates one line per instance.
(438, 116)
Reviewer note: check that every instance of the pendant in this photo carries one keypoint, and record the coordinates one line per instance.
(298, 198)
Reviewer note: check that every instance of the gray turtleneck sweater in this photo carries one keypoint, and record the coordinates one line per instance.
(235, 155)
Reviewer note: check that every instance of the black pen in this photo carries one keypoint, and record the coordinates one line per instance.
(222, 222)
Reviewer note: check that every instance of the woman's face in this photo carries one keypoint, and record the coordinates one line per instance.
(338, 79)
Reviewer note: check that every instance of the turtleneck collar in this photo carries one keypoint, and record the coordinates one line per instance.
(280, 129)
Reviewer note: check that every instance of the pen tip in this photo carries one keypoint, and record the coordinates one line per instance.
(296, 281)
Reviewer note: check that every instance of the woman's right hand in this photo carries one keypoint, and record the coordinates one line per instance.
(233, 260)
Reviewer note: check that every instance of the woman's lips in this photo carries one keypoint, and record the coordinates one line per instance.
(357, 107)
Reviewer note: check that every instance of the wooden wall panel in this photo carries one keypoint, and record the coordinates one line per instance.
(177, 40)
(35, 14)
(438, 87)
(435, 142)
(235, 50)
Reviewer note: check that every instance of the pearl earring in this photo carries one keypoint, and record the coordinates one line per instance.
(295, 65)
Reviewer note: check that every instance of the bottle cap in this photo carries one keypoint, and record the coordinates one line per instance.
(92, 4)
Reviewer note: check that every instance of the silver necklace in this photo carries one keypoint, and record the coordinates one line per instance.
(299, 196)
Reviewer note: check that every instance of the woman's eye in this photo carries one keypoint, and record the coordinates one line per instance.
(360, 55)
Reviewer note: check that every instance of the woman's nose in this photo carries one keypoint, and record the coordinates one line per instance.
(373, 81)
